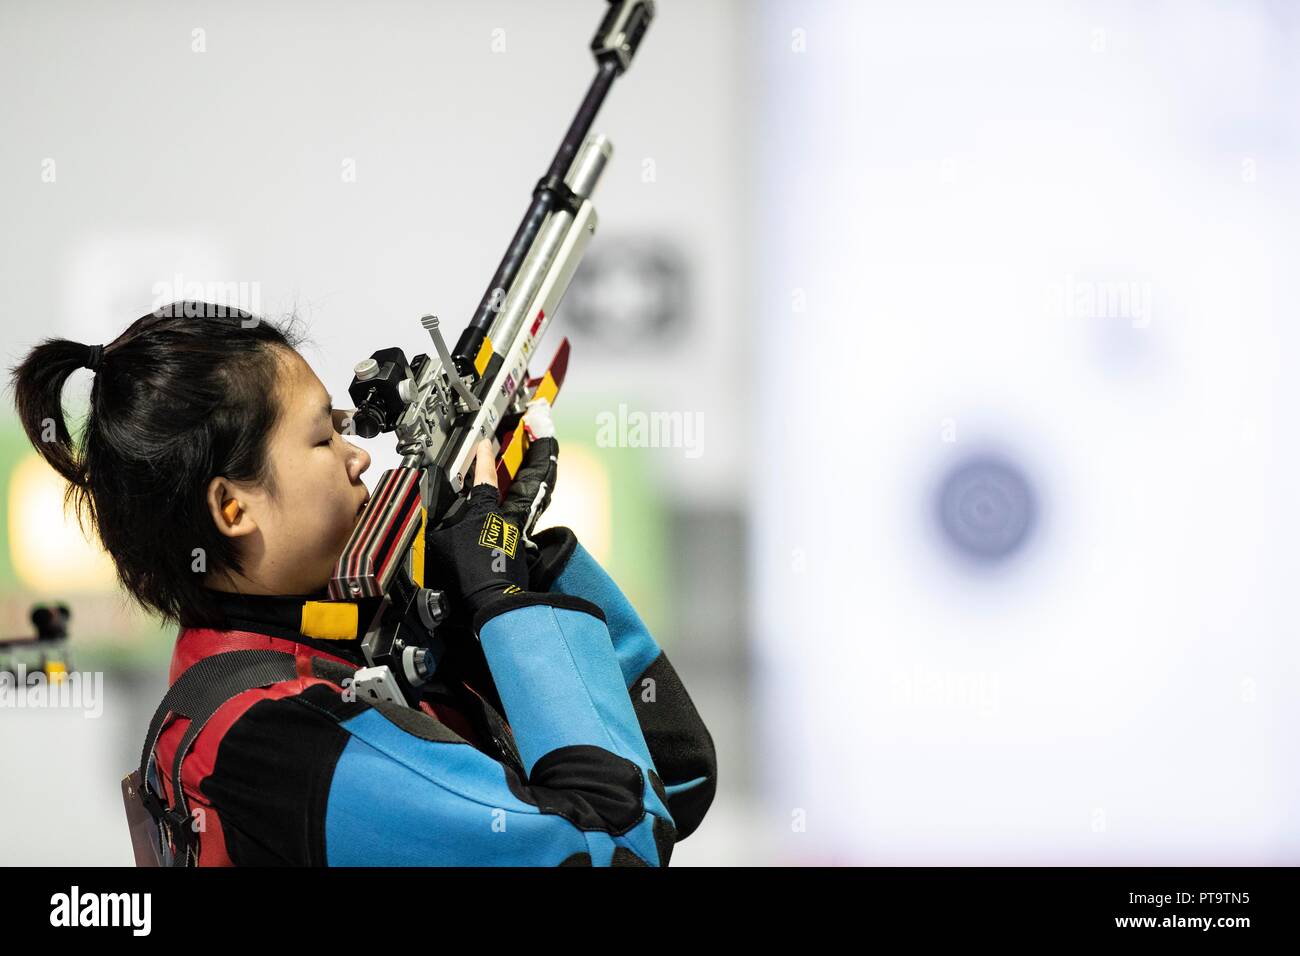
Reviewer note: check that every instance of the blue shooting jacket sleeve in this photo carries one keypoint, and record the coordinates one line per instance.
(405, 790)
(680, 744)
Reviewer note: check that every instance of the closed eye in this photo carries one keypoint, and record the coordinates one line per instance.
(325, 442)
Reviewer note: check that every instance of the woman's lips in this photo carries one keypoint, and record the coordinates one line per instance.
(362, 507)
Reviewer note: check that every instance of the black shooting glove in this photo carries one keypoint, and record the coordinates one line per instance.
(549, 552)
(498, 533)
(478, 558)
(530, 492)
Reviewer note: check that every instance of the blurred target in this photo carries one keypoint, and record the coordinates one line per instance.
(986, 508)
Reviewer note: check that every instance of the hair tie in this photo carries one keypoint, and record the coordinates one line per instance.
(93, 355)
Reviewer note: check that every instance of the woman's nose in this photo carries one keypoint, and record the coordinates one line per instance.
(358, 463)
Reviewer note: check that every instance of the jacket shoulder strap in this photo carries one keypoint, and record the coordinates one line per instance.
(197, 694)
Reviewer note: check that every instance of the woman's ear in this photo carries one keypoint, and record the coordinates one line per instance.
(228, 513)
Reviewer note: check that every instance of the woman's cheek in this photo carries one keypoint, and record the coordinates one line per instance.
(347, 518)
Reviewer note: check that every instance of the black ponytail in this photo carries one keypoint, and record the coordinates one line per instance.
(186, 393)
(38, 387)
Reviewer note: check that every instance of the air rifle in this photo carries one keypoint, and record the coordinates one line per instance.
(441, 406)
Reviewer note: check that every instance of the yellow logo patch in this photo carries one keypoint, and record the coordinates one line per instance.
(499, 535)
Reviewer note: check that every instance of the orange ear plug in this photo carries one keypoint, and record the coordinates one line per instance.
(230, 510)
